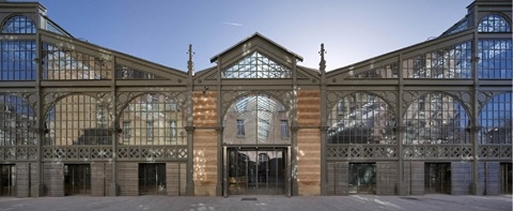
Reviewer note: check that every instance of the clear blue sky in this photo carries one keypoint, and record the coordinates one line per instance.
(161, 30)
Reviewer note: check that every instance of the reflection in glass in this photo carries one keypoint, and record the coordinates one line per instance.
(17, 60)
(78, 120)
(436, 119)
(362, 178)
(19, 24)
(496, 59)
(496, 121)
(152, 119)
(494, 23)
(17, 122)
(449, 62)
(361, 118)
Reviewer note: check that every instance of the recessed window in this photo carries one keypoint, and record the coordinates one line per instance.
(240, 127)
(285, 129)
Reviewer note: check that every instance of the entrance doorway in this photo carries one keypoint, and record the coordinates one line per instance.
(256, 171)
(152, 178)
(8, 180)
(506, 177)
(362, 178)
(77, 179)
(437, 178)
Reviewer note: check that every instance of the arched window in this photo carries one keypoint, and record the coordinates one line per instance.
(436, 118)
(153, 119)
(19, 24)
(361, 118)
(494, 23)
(78, 120)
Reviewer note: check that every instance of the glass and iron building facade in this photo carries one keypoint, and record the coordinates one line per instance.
(77, 118)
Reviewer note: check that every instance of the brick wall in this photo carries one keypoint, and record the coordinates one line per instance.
(205, 143)
(308, 143)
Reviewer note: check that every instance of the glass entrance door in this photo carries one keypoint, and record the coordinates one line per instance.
(77, 179)
(362, 178)
(437, 178)
(256, 171)
(8, 180)
(152, 178)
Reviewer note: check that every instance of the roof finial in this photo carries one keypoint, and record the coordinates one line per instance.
(190, 63)
(322, 64)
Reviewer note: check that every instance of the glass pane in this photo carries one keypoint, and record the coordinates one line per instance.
(19, 25)
(65, 64)
(496, 121)
(153, 119)
(362, 178)
(255, 119)
(436, 119)
(17, 60)
(257, 66)
(495, 59)
(450, 62)
(361, 118)
(78, 120)
(17, 121)
(494, 23)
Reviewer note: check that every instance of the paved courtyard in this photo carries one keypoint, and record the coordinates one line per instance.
(236, 203)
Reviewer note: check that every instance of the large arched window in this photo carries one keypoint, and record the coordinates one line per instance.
(256, 119)
(361, 118)
(19, 24)
(494, 23)
(436, 118)
(17, 121)
(496, 120)
(78, 120)
(152, 119)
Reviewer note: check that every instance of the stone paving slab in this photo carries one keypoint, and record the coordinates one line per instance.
(237, 203)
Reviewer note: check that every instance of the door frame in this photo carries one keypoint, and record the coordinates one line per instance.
(287, 180)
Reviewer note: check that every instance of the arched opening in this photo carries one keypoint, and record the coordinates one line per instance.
(256, 139)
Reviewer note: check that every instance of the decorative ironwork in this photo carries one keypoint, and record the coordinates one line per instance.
(152, 153)
(361, 151)
(18, 153)
(454, 152)
(77, 153)
(495, 152)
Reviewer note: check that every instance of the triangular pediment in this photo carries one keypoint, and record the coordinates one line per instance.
(256, 57)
